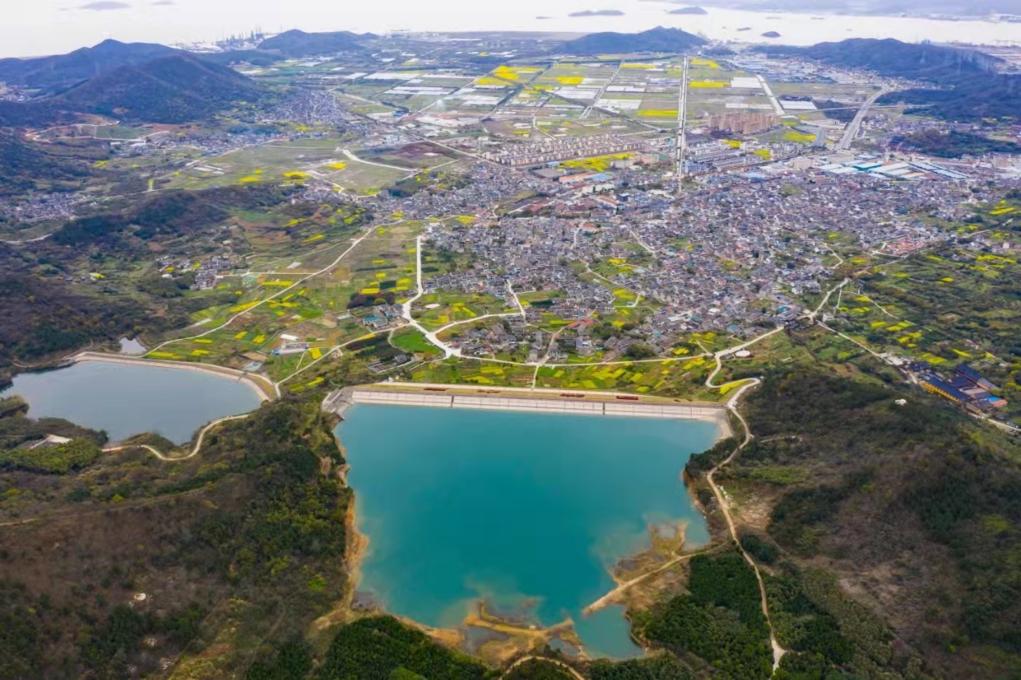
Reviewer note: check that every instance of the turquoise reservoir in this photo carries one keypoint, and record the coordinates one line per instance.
(528, 511)
(128, 399)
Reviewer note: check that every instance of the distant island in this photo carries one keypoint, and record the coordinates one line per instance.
(688, 10)
(916, 8)
(597, 13)
(770, 34)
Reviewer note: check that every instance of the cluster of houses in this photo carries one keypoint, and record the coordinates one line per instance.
(556, 149)
(734, 255)
(965, 386)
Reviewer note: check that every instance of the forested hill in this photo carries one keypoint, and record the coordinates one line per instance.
(43, 314)
(242, 546)
(138, 82)
(966, 83)
(654, 40)
(61, 71)
(173, 89)
(894, 58)
(26, 165)
(911, 506)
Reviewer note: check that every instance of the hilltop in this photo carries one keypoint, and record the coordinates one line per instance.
(654, 40)
(57, 72)
(172, 89)
(894, 58)
(134, 81)
(297, 43)
(970, 88)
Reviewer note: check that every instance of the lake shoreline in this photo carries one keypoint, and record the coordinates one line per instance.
(518, 636)
(262, 387)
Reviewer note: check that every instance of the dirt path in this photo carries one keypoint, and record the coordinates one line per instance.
(613, 595)
(560, 664)
(778, 650)
(173, 459)
(718, 356)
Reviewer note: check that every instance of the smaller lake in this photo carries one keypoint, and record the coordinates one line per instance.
(526, 511)
(128, 399)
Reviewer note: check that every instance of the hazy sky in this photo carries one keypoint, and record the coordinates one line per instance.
(33, 27)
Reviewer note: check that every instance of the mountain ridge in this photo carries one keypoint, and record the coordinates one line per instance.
(298, 43)
(966, 84)
(171, 89)
(60, 71)
(659, 39)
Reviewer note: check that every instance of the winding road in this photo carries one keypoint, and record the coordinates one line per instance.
(718, 493)
(433, 336)
(559, 664)
(174, 459)
(778, 650)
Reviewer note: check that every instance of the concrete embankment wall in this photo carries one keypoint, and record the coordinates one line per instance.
(598, 408)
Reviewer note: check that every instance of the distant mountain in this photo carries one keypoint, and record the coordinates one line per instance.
(301, 44)
(654, 40)
(894, 58)
(969, 87)
(65, 70)
(253, 57)
(961, 8)
(693, 10)
(173, 89)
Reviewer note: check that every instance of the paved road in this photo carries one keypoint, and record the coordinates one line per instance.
(352, 157)
(851, 131)
(682, 122)
(772, 97)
